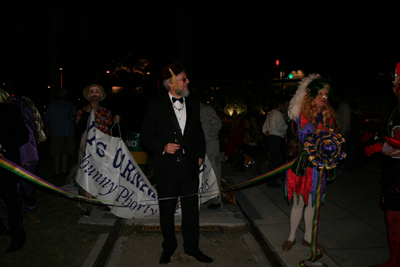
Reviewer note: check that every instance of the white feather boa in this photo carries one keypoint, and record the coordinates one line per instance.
(297, 100)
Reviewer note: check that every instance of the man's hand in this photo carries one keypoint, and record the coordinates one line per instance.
(394, 142)
(200, 161)
(171, 148)
(369, 150)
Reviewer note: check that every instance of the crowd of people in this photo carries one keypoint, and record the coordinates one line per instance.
(19, 142)
(180, 131)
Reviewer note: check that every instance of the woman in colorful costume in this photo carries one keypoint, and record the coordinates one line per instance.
(388, 142)
(309, 111)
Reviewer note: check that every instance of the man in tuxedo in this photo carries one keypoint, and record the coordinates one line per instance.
(172, 131)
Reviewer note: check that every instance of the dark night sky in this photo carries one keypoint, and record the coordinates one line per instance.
(213, 39)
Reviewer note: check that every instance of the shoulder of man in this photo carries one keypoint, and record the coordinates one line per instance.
(156, 101)
(10, 112)
(193, 99)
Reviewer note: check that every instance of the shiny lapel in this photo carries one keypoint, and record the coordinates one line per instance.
(171, 113)
(189, 107)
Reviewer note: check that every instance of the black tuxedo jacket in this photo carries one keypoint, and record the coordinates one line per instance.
(158, 129)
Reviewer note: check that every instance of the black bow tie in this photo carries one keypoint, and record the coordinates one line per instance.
(177, 99)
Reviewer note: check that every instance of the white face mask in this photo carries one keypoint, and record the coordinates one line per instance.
(323, 93)
(93, 92)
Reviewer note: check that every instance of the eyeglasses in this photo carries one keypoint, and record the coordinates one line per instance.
(183, 79)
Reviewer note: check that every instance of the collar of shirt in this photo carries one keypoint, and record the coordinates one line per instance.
(180, 113)
(177, 103)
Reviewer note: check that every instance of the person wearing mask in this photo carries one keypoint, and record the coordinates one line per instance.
(94, 93)
(309, 111)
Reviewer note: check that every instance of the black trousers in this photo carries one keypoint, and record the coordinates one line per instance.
(187, 190)
(8, 191)
(274, 144)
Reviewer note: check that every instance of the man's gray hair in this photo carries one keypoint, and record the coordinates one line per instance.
(166, 82)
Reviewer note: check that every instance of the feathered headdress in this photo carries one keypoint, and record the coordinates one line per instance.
(297, 100)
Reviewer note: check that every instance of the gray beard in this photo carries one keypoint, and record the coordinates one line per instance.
(182, 93)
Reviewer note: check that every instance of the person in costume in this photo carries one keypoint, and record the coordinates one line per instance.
(29, 153)
(387, 141)
(95, 93)
(309, 110)
(172, 131)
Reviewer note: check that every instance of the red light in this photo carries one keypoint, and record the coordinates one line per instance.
(277, 62)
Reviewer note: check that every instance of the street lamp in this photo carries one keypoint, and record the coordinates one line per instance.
(61, 77)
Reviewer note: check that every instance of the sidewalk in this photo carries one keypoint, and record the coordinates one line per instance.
(351, 229)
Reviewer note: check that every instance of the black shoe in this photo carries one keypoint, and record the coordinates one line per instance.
(200, 257)
(213, 206)
(16, 244)
(86, 214)
(107, 210)
(165, 258)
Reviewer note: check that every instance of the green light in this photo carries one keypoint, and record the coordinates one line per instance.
(290, 76)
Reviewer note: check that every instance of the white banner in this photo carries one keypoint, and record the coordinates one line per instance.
(108, 171)
(208, 187)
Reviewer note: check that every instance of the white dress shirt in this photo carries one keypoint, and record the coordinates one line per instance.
(180, 112)
(275, 124)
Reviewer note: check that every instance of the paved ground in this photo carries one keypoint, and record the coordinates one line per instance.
(352, 227)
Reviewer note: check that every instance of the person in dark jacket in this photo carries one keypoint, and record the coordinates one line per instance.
(13, 134)
(388, 142)
(172, 131)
